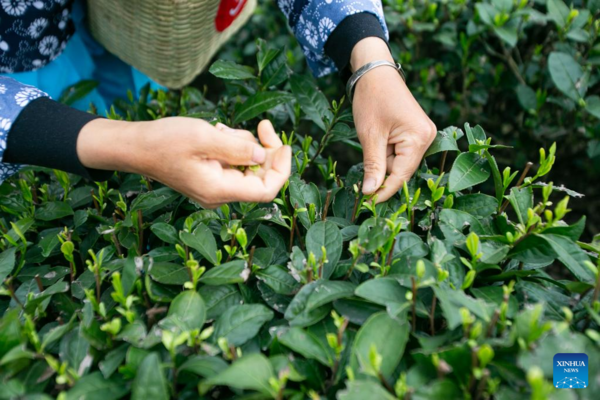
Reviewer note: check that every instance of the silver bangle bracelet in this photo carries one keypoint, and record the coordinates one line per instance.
(366, 68)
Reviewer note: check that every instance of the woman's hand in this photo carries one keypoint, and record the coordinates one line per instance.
(393, 129)
(190, 156)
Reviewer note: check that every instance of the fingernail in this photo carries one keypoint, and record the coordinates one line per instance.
(259, 155)
(369, 186)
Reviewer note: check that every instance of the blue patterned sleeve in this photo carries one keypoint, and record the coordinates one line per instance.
(313, 21)
(14, 96)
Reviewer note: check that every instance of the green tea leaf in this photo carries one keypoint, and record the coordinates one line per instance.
(229, 70)
(360, 390)
(189, 309)
(305, 343)
(325, 234)
(165, 232)
(203, 241)
(312, 101)
(445, 141)
(566, 74)
(251, 372)
(241, 323)
(205, 366)
(169, 273)
(7, 262)
(479, 205)
(570, 255)
(388, 335)
(258, 104)
(228, 273)
(150, 381)
(53, 210)
(469, 169)
(151, 201)
(95, 387)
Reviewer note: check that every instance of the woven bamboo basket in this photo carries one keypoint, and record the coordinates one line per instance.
(171, 41)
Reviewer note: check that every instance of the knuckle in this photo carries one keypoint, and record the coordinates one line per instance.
(372, 166)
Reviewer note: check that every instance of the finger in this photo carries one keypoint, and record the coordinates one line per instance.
(404, 166)
(236, 186)
(239, 133)
(374, 155)
(230, 149)
(267, 135)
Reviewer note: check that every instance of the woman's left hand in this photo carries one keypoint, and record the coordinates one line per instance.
(392, 127)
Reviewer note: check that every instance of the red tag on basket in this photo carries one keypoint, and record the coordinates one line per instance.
(227, 13)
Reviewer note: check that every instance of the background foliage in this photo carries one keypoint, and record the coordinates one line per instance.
(464, 285)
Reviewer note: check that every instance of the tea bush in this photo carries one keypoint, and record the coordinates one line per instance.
(525, 70)
(448, 290)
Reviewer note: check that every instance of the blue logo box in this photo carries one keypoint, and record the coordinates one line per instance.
(570, 371)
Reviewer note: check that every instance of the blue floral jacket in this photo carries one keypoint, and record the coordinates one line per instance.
(33, 33)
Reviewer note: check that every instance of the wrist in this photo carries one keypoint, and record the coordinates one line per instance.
(109, 145)
(368, 50)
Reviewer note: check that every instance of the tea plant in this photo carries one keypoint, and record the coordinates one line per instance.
(463, 285)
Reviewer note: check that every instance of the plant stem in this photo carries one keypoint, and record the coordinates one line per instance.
(432, 316)
(493, 323)
(140, 233)
(326, 208)
(38, 280)
(98, 284)
(443, 162)
(251, 257)
(72, 265)
(292, 230)
(414, 303)
(482, 383)
(356, 200)
(96, 205)
(385, 383)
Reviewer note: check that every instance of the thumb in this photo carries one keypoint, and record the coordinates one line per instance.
(374, 155)
(233, 150)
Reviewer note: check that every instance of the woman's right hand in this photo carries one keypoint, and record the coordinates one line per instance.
(190, 156)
